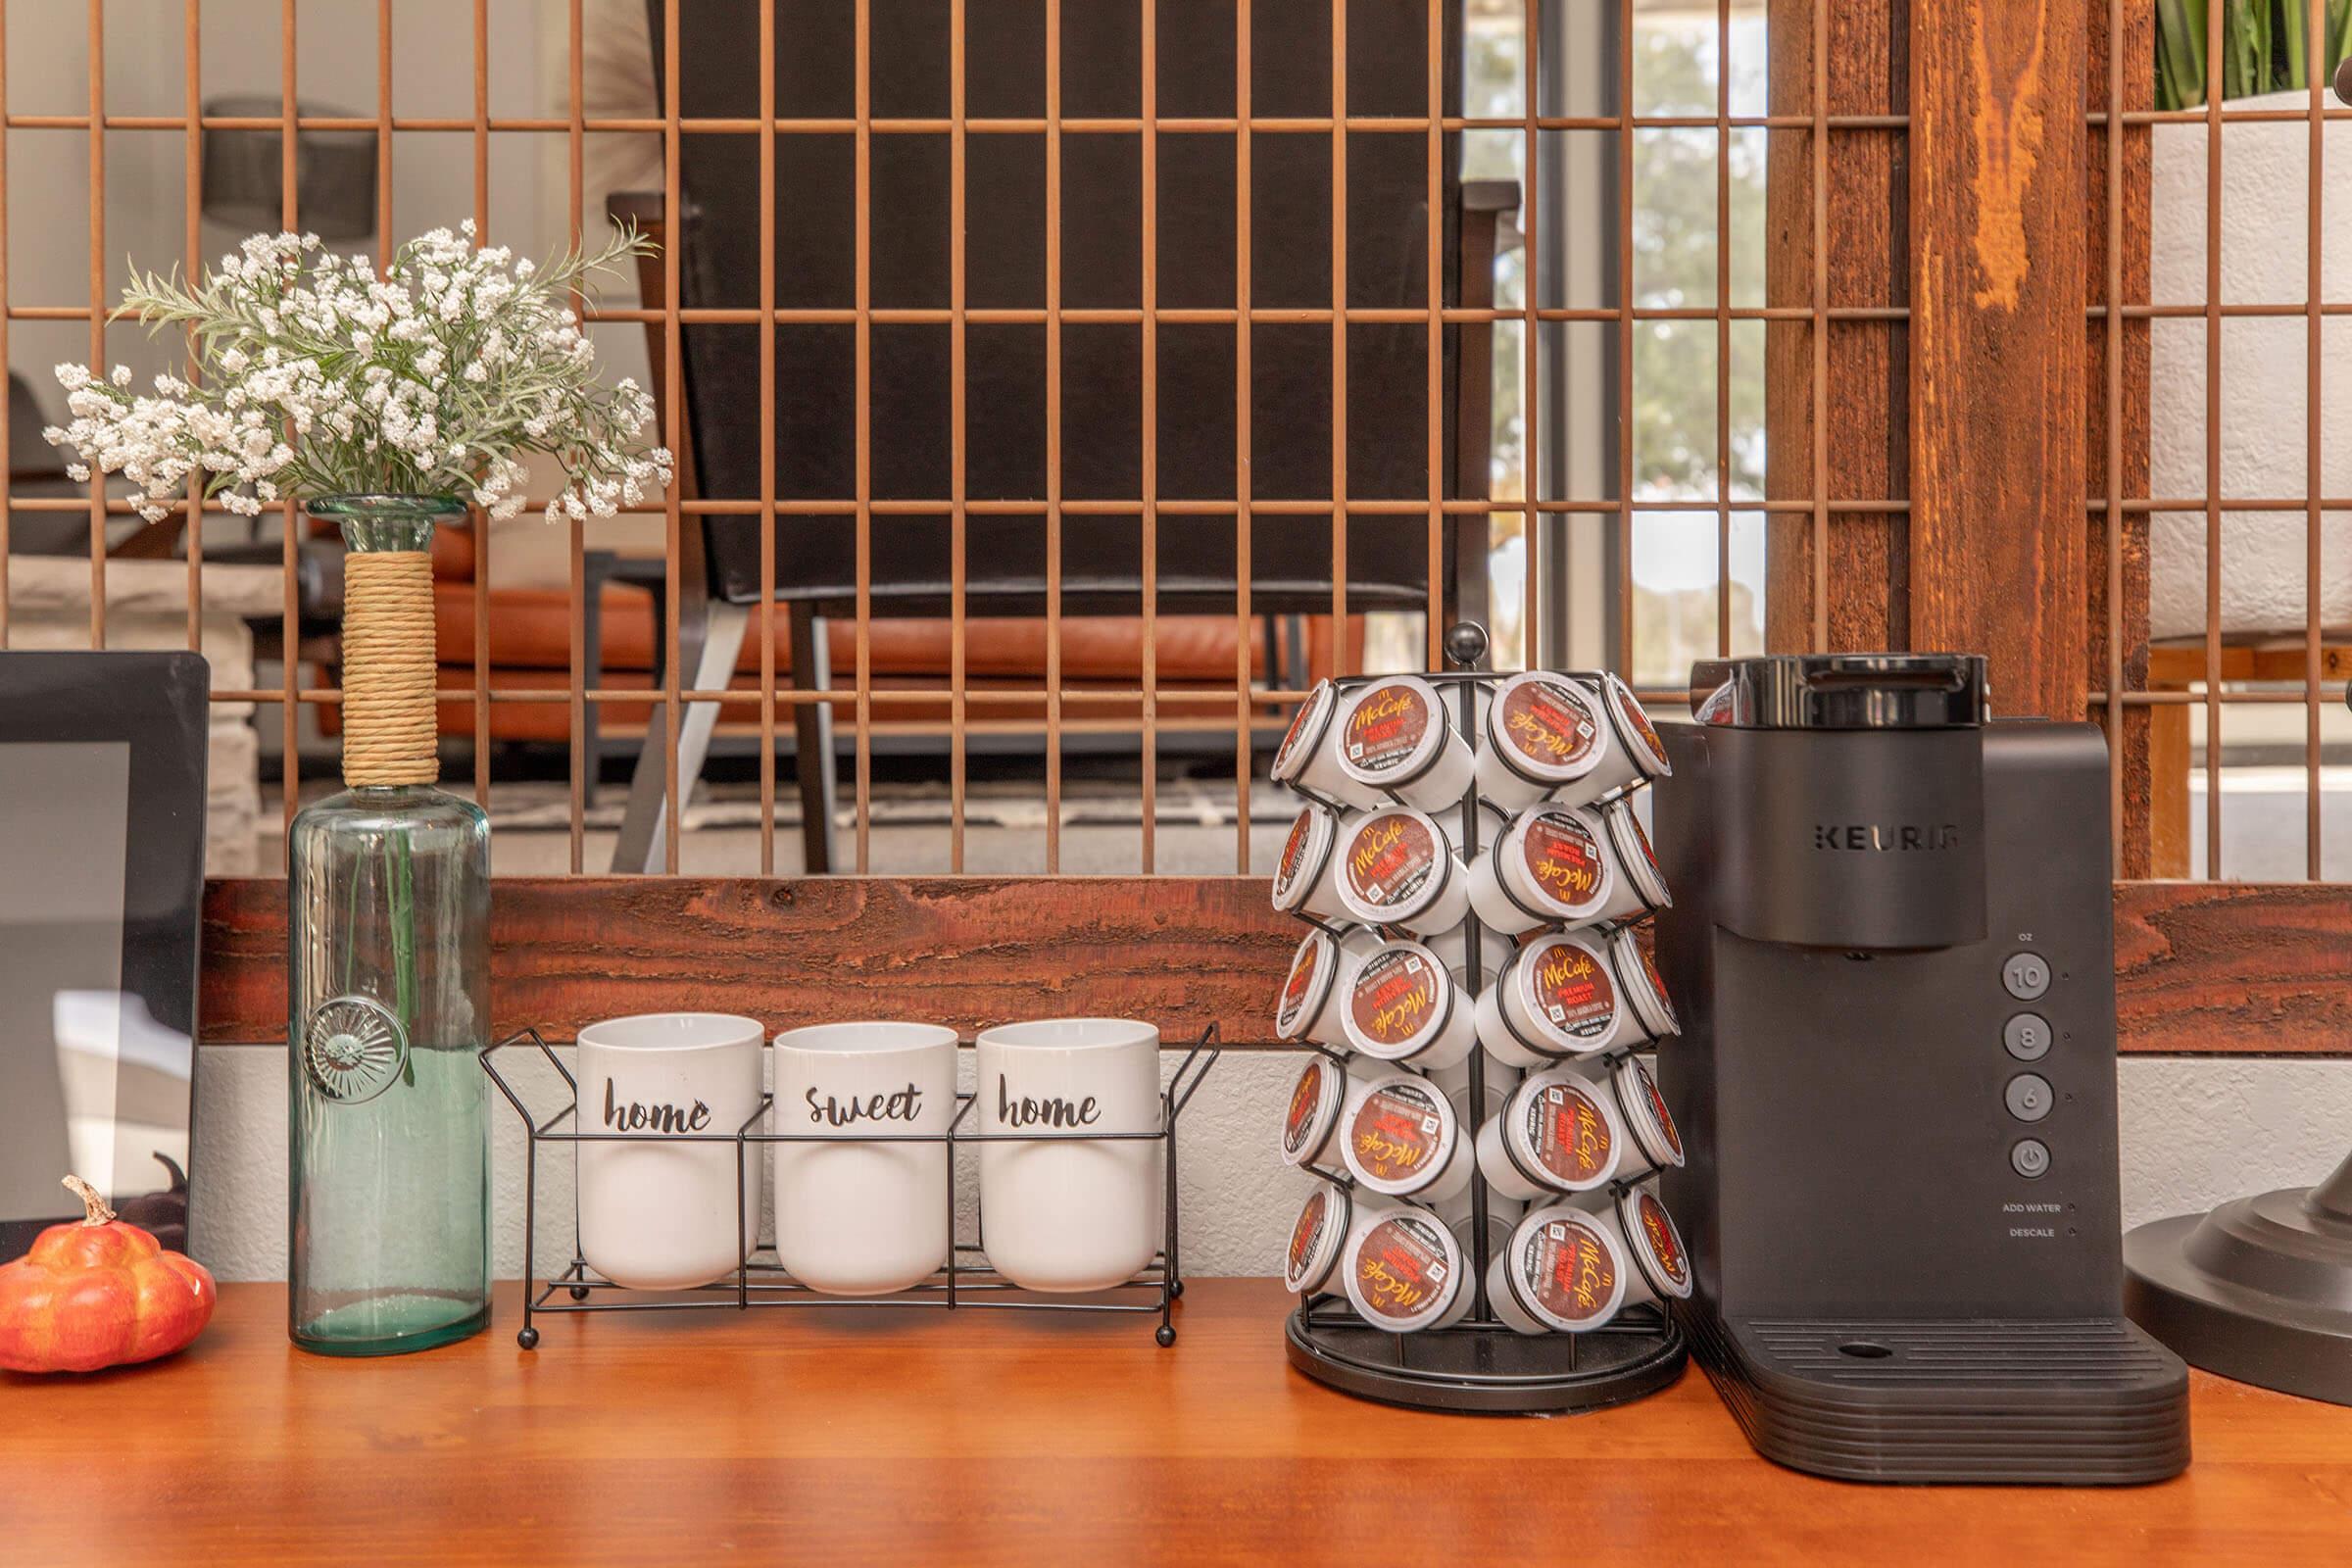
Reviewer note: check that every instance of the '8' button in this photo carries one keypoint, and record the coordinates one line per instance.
(2027, 1037)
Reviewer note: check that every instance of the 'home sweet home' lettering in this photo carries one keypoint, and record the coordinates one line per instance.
(902, 1104)
(634, 1116)
(1052, 1112)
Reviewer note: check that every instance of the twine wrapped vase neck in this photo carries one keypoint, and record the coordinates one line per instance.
(390, 737)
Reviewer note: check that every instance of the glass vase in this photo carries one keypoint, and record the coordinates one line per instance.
(387, 917)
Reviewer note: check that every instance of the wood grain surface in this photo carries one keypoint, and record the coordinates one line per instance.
(1997, 392)
(2200, 967)
(828, 1438)
(1865, 263)
(2235, 966)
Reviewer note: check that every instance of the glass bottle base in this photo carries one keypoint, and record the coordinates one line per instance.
(387, 1325)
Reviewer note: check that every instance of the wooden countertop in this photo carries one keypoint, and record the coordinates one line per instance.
(830, 1437)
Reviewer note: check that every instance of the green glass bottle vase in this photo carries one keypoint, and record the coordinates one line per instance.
(388, 984)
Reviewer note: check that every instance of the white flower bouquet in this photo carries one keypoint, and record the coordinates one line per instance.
(312, 376)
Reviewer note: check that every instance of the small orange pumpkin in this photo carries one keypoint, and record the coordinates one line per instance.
(98, 1293)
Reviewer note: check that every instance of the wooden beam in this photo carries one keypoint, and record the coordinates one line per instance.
(2200, 967)
(966, 952)
(2132, 731)
(1998, 393)
(1852, 597)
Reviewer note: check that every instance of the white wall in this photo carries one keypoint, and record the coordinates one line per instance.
(2195, 1131)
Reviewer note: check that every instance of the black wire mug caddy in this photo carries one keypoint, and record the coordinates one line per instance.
(759, 1279)
(1478, 1363)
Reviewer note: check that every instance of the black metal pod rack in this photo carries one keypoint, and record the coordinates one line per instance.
(1478, 1363)
(760, 1280)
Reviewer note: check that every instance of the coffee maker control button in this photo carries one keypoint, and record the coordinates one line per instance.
(2030, 1156)
(2026, 975)
(2027, 1037)
(2029, 1096)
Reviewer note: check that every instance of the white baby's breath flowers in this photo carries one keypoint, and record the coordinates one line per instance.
(313, 377)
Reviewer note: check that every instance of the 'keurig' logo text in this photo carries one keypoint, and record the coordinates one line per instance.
(1870, 837)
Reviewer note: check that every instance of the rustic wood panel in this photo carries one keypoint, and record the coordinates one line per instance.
(2202, 967)
(1865, 394)
(2235, 966)
(1998, 389)
(2134, 750)
(966, 952)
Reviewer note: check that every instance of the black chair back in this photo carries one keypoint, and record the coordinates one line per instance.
(911, 428)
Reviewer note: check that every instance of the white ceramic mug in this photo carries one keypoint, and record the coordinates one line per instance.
(658, 1212)
(1059, 1211)
(861, 1215)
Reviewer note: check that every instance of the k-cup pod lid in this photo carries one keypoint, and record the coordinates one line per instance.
(1305, 855)
(1402, 1134)
(1638, 974)
(1634, 729)
(1564, 871)
(1314, 969)
(1314, 1109)
(1544, 729)
(1404, 1271)
(1316, 1239)
(1305, 734)
(1564, 1271)
(1565, 989)
(1401, 1001)
(1558, 1135)
(1394, 864)
(1656, 1244)
(1634, 854)
(1393, 733)
(1644, 1111)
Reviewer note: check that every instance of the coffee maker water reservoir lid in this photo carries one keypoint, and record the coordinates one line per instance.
(1840, 691)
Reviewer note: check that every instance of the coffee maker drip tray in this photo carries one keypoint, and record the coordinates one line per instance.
(2074, 1402)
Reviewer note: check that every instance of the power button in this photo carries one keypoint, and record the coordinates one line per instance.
(2030, 1156)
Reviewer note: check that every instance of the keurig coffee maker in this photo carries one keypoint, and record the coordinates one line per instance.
(1892, 948)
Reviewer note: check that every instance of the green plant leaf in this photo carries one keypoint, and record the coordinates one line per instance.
(2180, 53)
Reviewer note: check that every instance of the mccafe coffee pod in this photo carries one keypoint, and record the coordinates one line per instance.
(1544, 736)
(1638, 977)
(1656, 1144)
(1649, 1236)
(1402, 1006)
(1404, 1139)
(1320, 1237)
(1557, 996)
(1398, 867)
(1306, 877)
(1316, 996)
(1397, 737)
(1552, 866)
(1565, 1271)
(1403, 1270)
(1644, 755)
(1309, 758)
(1320, 1097)
(1641, 887)
(1557, 1135)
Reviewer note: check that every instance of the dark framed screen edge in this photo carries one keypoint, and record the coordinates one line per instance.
(153, 703)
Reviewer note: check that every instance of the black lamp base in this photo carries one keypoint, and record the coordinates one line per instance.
(2260, 1290)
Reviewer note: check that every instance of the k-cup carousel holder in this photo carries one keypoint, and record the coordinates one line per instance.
(1477, 1363)
(966, 1280)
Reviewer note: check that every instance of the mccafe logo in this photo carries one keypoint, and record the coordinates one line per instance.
(1876, 837)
